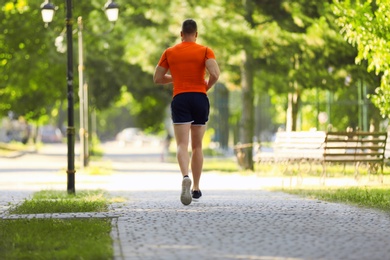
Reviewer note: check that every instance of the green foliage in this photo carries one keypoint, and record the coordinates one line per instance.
(28, 67)
(290, 42)
(314, 55)
(133, 53)
(366, 26)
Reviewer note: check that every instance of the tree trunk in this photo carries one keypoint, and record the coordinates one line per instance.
(221, 115)
(292, 109)
(247, 119)
(293, 101)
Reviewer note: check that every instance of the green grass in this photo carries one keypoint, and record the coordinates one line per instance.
(376, 197)
(367, 196)
(12, 146)
(9, 149)
(58, 238)
(55, 239)
(213, 161)
(312, 170)
(61, 202)
(220, 164)
(211, 152)
(229, 164)
(100, 169)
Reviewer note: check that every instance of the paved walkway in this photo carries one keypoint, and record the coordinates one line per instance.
(247, 225)
(235, 219)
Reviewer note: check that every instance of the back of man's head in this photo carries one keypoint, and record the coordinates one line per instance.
(189, 26)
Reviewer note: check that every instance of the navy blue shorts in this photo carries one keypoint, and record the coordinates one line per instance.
(191, 107)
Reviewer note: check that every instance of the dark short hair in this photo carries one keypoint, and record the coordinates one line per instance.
(189, 26)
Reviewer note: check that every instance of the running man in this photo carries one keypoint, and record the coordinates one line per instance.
(187, 63)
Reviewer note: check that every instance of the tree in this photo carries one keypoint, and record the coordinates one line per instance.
(275, 48)
(277, 40)
(33, 63)
(27, 76)
(366, 26)
(238, 31)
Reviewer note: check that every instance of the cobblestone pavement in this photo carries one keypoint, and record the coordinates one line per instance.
(235, 219)
(253, 224)
(9, 198)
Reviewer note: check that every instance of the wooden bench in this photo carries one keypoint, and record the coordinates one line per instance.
(294, 148)
(356, 148)
(387, 150)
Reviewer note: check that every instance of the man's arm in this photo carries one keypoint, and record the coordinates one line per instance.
(160, 76)
(213, 69)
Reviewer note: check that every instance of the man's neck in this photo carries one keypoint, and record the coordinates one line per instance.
(188, 38)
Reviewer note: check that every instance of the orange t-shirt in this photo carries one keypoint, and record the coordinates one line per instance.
(187, 63)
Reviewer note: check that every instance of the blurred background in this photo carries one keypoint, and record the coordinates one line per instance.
(286, 65)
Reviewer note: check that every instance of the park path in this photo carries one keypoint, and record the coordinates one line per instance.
(237, 218)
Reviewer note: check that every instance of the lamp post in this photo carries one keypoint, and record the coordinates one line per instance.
(83, 97)
(47, 10)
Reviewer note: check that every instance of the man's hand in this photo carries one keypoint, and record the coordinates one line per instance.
(160, 76)
(213, 69)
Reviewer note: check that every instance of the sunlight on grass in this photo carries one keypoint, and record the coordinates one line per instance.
(55, 239)
(58, 238)
(99, 170)
(366, 191)
(48, 201)
(217, 164)
(377, 197)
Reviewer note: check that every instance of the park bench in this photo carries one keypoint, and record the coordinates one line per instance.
(356, 148)
(294, 148)
(387, 151)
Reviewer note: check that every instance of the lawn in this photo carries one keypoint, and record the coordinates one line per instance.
(55, 239)
(58, 238)
(376, 197)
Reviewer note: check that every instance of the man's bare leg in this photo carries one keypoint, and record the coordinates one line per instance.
(183, 158)
(182, 139)
(197, 133)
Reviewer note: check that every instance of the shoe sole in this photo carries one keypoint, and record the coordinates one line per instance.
(185, 196)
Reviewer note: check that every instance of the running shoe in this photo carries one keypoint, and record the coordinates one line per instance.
(196, 194)
(185, 196)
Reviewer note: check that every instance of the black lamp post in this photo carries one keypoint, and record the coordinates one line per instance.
(48, 10)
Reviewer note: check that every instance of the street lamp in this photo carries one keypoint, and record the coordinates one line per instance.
(47, 10)
(112, 11)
